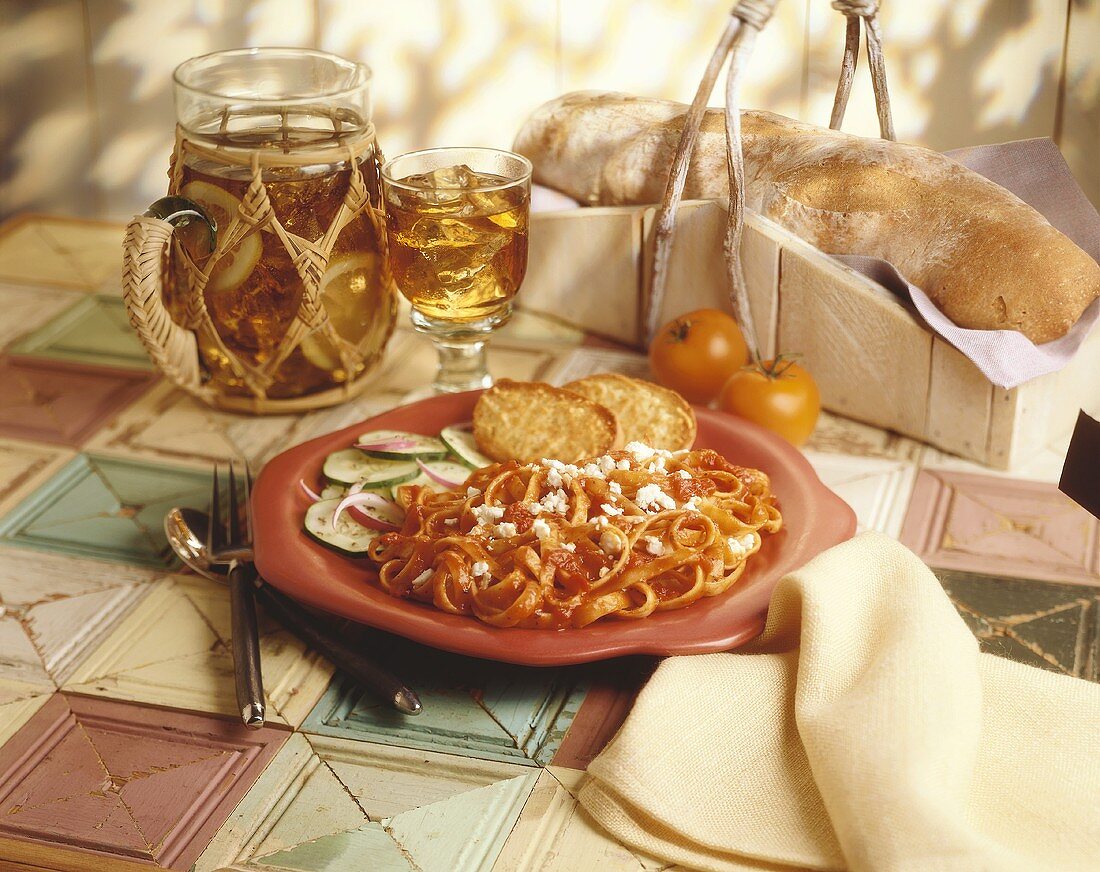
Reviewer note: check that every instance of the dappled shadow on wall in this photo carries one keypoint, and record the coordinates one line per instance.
(87, 122)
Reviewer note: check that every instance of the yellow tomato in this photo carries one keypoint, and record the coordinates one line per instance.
(695, 354)
(778, 394)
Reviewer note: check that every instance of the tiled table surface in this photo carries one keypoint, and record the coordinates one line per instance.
(118, 747)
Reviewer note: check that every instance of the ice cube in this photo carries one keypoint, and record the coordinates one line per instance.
(460, 176)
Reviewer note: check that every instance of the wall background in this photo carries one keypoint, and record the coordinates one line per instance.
(86, 113)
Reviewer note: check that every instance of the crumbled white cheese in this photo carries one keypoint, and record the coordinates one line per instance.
(556, 502)
(653, 545)
(692, 505)
(610, 543)
(609, 509)
(450, 522)
(742, 545)
(600, 521)
(683, 473)
(651, 499)
(540, 528)
(607, 463)
(479, 568)
(486, 514)
(422, 579)
(553, 478)
(623, 464)
(472, 491)
(639, 450)
(615, 487)
(603, 571)
(748, 541)
(504, 530)
(533, 508)
(592, 470)
(553, 464)
(569, 546)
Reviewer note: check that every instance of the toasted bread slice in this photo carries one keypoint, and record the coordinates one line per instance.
(529, 421)
(647, 412)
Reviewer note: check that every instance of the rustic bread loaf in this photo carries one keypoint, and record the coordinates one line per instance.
(986, 258)
(646, 412)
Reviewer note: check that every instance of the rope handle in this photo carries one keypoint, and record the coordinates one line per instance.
(172, 348)
(867, 12)
(747, 19)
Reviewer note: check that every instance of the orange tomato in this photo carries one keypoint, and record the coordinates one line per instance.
(696, 353)
(777, 394)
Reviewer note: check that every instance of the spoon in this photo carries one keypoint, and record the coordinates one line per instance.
(186, 532)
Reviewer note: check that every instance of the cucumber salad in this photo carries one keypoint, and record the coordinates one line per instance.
(357, 503)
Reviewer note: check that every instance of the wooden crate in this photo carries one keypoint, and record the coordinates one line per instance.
(872, 356)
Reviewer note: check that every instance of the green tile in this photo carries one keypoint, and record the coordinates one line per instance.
(477, 708)
(368, 847)
(105, 508)
(96, 330)
(1047, 624)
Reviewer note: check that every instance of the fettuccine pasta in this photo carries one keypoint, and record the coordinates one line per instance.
(554, 545)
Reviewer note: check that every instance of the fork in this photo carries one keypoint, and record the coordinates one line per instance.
(229, 540)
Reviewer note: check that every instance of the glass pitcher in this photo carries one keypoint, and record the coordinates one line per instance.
(260, 283)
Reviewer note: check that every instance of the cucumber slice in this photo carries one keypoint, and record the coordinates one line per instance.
(422, 447)
(454, 471)
(464, 447)
(334, 492)
(351, 466)
(349, 536)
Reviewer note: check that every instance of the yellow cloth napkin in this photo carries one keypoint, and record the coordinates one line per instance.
(863, 730)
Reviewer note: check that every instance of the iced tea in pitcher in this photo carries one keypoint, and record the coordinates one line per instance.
(289, 295)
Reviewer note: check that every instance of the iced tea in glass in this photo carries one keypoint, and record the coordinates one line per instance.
(456, 224)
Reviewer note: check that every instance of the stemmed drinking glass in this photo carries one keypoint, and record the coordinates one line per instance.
(456, 225)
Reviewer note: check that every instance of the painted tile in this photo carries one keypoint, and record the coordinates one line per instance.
(586, 361)
(29, 578)
(86, 781)
(28, 308)
(21, 669)
(106, 508)
(463, 832)
(554, 834)
(998, 526)
(369, 847)
(322, 797)
(877, 490)
(1044, 464)
(62, 252)
(96, 330)
(168, 425)
(494, 711)
(613, 687)
(387, 781)
(173, 649)
(63, 631)
(835, 434)
(1052, 626)
(62, 403)
(24, 465)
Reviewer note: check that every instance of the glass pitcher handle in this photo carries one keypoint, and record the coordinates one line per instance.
(173, 348)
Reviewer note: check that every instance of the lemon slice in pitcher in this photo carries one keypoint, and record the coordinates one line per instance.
(234, 267)
(347, 289)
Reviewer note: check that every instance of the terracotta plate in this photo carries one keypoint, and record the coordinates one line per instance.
(814, 519)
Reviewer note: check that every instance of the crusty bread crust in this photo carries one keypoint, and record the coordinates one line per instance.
(528, 421)
(986, 258)
(647, 412)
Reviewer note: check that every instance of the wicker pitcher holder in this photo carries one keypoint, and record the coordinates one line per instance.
(173, 342)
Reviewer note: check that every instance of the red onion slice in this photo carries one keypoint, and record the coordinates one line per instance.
(435, 476)
(387, 445)
(374, 500)
(308, 491)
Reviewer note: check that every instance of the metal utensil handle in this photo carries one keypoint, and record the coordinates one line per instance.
(246, 647)
(366, 673)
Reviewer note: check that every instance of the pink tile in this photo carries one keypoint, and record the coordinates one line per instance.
(62, 403)
(93, 783)
(1001, 526)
